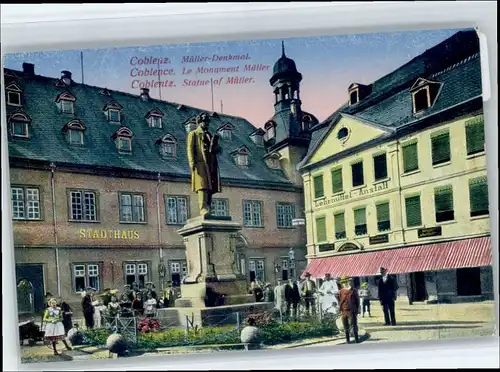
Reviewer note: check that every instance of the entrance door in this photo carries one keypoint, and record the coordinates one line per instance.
(34, 274)
(469, 281)
(419, 292)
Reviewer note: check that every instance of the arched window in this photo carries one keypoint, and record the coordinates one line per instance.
(74, 132)
(168, 146)
(123, 140)
(20, 124)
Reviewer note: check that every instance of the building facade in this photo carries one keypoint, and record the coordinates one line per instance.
(100, 185)
(397, 178)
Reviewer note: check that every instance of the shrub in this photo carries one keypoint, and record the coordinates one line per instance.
(96, 337)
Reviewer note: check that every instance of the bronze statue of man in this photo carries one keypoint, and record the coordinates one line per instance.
(202, 150)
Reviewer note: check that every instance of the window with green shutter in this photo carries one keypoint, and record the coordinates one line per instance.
(440, 144)
(383, 217)
(319, 191)
(360, 227)
(413, 211)
(478, 196)
(410, 157)
(358, 178)
(339, 220)
(321, 229)
(337, 182)
(474, 135)
(443, 202)
(380, 166)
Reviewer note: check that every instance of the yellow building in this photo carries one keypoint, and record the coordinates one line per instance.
(397, 178)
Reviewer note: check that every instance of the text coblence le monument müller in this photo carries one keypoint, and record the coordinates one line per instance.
(194, 71)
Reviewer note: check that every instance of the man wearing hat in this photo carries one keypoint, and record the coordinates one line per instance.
(349, 308)
(329, 293)
(387, 293)
(308, 292)
(88, 308)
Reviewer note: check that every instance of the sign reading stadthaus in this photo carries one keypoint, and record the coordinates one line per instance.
(108, 234)
(352, 194)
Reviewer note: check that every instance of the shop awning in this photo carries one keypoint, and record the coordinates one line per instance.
(456, 254)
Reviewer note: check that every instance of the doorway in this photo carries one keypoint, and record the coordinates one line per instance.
(469, 281)
(33, 273)
(418, 289)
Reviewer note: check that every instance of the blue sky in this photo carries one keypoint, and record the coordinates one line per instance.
(329, 64)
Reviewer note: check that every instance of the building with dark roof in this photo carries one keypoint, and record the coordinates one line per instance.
(100, 183)
(396, 178)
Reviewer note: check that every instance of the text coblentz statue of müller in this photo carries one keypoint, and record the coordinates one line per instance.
(202, 149)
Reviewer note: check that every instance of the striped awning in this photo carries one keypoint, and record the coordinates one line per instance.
(456, 254)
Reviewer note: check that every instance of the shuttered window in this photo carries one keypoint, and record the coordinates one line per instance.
(413, 211)
(319, 191)
(339, 220)
(474, 135)
(410, 157)
(358, 178)
(443, 202)
(478, 195)
(337, 182)
(380, 166)
(383, 217)
(321, 229)
(440, 144)
(360, 227)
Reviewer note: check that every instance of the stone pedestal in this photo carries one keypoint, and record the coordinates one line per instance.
(211, 259)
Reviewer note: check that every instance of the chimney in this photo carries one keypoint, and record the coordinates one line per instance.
(144, 94)
(66, 77)
(29, 69)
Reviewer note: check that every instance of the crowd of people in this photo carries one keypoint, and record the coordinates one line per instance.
(336, 296)
(134, 300)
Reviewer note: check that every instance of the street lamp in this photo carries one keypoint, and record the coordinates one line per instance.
(291, 259)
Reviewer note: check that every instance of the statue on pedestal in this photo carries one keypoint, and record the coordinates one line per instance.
(202, 150)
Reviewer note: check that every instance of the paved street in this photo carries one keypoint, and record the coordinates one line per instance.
(425, 322)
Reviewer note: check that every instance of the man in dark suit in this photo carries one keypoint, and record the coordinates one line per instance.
(387, 293)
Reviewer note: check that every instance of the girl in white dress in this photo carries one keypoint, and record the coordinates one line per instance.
(54, 328)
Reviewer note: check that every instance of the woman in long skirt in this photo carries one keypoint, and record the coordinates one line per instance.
(54, 328)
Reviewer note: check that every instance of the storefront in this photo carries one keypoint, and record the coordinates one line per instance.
(454, 271)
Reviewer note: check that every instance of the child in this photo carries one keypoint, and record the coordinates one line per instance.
(365, 296)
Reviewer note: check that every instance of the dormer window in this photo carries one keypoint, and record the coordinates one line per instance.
(358, 92)
(105, 92)
(123, 140)
(114, 115)
(112, 110)
(168, 146)
(270, 129)
(74, 132)
(258, 137)
(154, 118)
(20, 124)
(354, 97)
(241, 156)
(424, 94)
(226, 131)
(13, 94)
(66, 103)
(273, 161)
